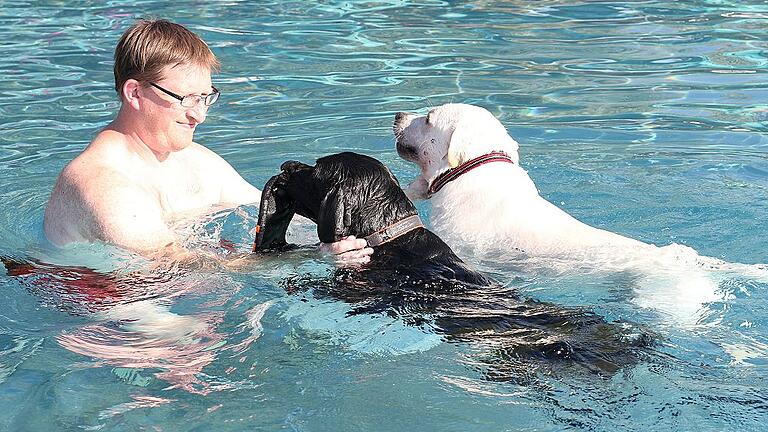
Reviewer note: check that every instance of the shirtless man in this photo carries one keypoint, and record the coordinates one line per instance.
(143, 169)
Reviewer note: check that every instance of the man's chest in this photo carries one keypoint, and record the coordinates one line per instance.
(186, 188)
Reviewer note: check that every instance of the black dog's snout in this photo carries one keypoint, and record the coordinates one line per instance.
(399, 116)
(289, 165)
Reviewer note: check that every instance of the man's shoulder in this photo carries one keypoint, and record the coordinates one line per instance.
(87, 172)
(93, 175)
(88, 193)
(106, 153)
(95, 183)
(202, 153)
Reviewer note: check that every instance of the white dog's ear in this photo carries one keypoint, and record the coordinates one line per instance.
(471, 140)
(461, 139)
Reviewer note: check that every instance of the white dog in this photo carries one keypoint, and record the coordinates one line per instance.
(495, 201)
(483, 200)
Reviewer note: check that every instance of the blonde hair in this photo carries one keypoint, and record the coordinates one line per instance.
(150, 45)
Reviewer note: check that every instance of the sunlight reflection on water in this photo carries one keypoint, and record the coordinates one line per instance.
(643, 118)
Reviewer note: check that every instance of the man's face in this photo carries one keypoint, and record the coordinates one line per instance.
(169, 126)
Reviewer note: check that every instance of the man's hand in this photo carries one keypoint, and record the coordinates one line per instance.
(348, 251)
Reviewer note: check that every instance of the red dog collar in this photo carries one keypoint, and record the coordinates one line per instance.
(454, 173)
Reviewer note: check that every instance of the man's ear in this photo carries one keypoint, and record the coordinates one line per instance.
(471, 140)
(275, 213)
(130, 93)
(335, 218)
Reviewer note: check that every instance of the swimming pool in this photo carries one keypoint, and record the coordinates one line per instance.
(645, 118)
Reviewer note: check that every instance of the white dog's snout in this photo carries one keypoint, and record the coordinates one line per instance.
(402, 120)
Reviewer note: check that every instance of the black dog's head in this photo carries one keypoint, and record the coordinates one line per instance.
(344, 194)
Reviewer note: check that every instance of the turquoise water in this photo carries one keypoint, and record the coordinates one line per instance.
(643, 117)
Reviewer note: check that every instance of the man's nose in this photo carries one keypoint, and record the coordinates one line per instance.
(198, 112)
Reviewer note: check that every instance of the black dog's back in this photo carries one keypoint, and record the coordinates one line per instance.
(429, 286)
(422, 254)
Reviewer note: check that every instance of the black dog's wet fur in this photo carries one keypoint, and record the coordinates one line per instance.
(418, 277)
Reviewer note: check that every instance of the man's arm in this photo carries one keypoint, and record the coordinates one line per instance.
(130, 217)
(235, 190)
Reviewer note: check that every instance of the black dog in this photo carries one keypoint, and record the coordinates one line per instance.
(415, 275)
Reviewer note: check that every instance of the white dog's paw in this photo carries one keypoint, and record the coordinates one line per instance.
(417, 189)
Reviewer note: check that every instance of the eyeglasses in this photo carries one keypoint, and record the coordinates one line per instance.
(191, 101)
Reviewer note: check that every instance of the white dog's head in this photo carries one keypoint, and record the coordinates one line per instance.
(450, 135)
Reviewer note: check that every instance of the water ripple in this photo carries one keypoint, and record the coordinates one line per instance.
(645, 117)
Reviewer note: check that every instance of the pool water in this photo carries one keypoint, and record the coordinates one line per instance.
(644, 118)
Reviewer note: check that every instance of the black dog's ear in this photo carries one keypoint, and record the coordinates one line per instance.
(280, 200)
(275, 213)
(335, 218)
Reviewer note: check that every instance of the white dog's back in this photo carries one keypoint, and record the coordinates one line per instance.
(508, 212)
